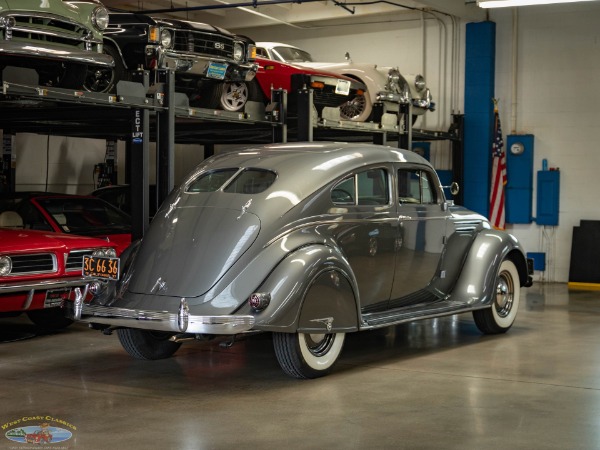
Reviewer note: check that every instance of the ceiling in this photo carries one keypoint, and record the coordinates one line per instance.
(305, 13)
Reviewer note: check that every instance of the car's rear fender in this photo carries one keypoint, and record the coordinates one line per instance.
(477, 278)
(313, 289)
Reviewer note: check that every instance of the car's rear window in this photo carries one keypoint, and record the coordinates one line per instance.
(248, 181)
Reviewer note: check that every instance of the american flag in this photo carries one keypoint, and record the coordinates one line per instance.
(498, 176)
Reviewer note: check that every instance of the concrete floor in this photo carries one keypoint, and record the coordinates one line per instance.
(436, 384)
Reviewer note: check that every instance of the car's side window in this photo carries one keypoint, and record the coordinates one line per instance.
(373, 187)
(344, 192)
(369, 187)
(416, 186)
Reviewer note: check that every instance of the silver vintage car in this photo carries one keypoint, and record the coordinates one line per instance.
(309, 241)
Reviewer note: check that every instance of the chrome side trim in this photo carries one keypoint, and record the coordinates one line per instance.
(160, 320)
(10, 288)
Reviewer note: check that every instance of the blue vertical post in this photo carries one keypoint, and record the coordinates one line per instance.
(480, 56)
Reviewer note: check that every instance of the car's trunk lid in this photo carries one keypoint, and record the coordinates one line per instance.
(187, 250)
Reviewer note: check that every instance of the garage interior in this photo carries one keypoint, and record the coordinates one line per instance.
(426, 384)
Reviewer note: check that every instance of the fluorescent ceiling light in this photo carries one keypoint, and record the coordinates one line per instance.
(507, 3)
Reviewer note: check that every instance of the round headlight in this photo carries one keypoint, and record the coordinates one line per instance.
(107, 252)
(5, 265)
(238, 51)
(419, 82)
(166, 38)
(100, 18)
(393, 76)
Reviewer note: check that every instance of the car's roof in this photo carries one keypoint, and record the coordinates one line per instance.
(306, 166)
(274, 44)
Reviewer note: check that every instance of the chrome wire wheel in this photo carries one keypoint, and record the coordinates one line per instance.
(358, 109)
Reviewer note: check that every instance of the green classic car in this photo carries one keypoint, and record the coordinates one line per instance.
(58, 39)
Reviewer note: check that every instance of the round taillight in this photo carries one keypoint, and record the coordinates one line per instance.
(259, 300)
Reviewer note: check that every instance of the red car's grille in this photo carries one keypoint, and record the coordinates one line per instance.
(75, 259)
(33, 264)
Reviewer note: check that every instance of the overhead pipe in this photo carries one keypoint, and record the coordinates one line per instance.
(257, 3)
(253, 4)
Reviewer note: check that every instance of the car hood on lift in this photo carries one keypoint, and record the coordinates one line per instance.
(187, 250)
(53, 6)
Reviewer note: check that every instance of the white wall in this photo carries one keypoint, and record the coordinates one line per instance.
(558, 98)
(66, 165)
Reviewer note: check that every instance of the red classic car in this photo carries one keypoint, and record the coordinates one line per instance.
(72, 214)
(39, 269)
(329, 89)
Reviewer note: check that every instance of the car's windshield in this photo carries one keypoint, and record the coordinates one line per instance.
(86, 216)
(291, 54)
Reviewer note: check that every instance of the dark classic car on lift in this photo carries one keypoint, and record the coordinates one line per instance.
(309, 241)
(58, 39)
(202, 56)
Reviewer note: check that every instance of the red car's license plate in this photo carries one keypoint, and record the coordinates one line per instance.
(101, 267)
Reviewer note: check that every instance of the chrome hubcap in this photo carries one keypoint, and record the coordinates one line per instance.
(504, 295)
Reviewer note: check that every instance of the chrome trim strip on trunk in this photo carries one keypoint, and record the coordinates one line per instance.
(159, 320)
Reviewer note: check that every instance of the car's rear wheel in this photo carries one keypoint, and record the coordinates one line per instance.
(50, 319)
(303, 355)
(500, 317)
(146, 344)
(105, 79)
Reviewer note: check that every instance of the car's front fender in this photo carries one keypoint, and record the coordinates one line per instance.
(477, 278)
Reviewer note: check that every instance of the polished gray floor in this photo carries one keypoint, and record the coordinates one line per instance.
(436, 384)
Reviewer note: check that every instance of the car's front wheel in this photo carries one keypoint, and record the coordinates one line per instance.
(304, 355)
(146, 344)
(105, 79)
(358, 109)
(500, 317)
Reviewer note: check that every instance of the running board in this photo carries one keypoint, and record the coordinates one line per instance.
(407, 314)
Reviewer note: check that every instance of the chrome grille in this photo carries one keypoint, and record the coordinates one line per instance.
(50, 29)
(33, 264)
(328, 97)
(203, 43)
(75, 259)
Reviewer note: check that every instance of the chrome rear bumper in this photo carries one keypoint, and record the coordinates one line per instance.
(182, 322)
